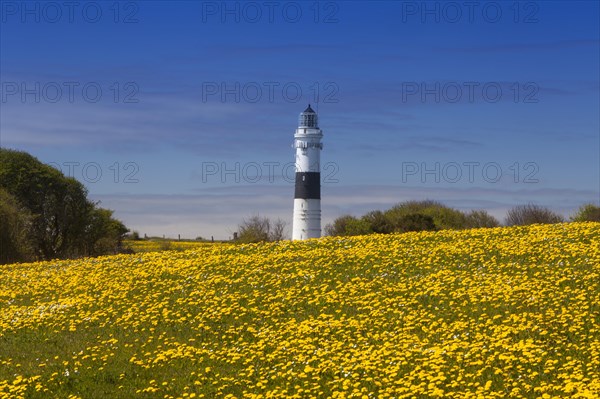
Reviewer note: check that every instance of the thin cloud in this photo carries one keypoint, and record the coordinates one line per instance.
(216, 211)
(524, 47)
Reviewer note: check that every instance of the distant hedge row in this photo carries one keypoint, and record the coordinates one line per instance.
(433, 215)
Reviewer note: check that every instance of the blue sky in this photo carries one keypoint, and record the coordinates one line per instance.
(180, 115)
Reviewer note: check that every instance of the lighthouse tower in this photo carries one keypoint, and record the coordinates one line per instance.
(307, 197)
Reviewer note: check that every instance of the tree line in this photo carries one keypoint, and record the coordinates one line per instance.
(47, 215)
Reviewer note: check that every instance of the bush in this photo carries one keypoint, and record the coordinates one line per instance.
(277, 232)
(348, 225)
(357, 227)
(432, 215)
(410, 216)
(477, 219)
(587, 213)
(134, 236)
(531, 214)
(415, 222)
(378, 222)
(443, 216)
(338, 227)
(257, 229)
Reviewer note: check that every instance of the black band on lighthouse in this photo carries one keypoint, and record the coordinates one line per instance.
(308, 185)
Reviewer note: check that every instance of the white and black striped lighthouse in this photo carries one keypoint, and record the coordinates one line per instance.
(307, 196)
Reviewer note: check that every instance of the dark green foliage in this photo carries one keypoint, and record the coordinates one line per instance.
(58, 203)
(531, 214)
(15, 225)
(415, 222)
(408, 216)
(105, 233)
(64, 223)
(357, 227)
(433, 215)
(378, 222)
(424, 215)
(348, 225)
(587, 213)
(443, 216)
(338, 227)
(134, 236)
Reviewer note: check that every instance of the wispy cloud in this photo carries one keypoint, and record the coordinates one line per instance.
(217, 211)
(525, 47)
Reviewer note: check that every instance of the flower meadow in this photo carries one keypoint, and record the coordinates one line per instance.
(486, 313)
(161, 245)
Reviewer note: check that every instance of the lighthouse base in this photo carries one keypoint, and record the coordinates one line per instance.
(307, 219)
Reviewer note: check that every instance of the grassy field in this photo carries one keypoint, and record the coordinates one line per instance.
(488, 313)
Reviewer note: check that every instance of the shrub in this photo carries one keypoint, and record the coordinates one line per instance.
(257, 229)
(378, 222)
(277, 232)
(477, 219)
(134, 236)
(348, 225)
(357, 227)
(416, 222)
(338, 227)
(587, 213)
(443, 216)
(531, 214)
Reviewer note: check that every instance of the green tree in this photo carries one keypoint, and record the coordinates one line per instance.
(15, 226)
(58, 203)
(65, 222)
(104, 233)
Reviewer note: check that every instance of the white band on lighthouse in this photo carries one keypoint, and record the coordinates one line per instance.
(307, 194)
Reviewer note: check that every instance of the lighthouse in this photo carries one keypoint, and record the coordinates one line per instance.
(307, 193)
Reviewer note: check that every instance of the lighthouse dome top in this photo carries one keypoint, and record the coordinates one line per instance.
(308, 118)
